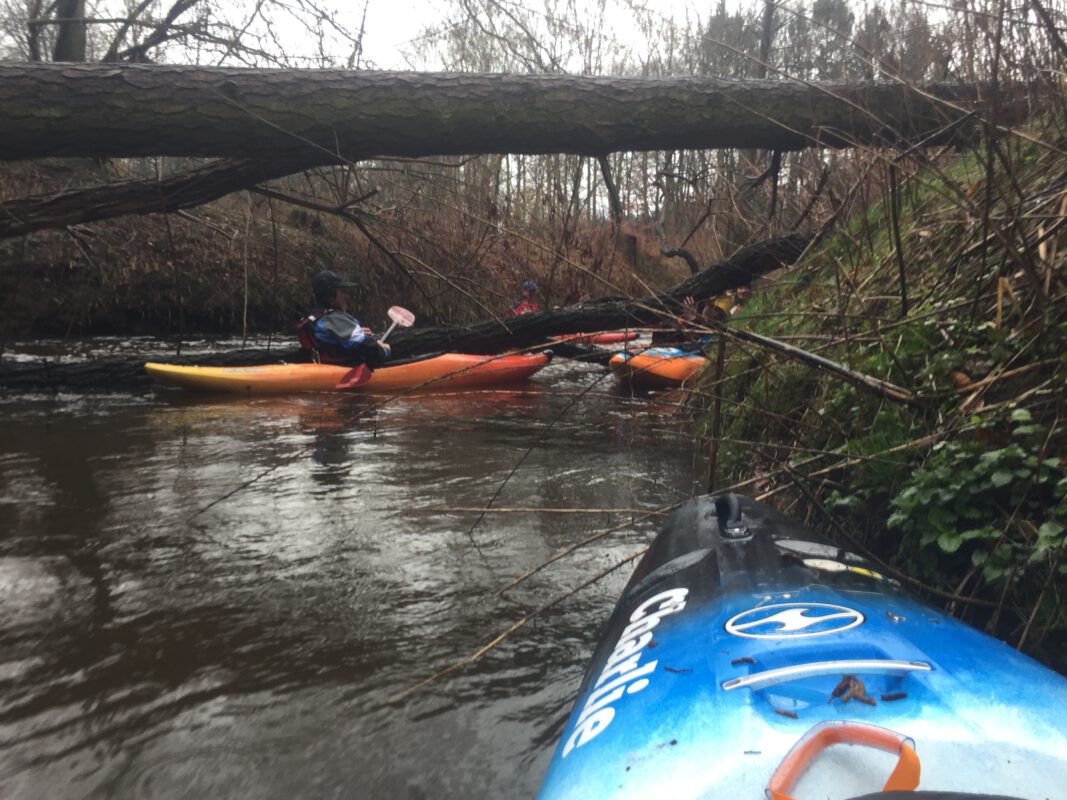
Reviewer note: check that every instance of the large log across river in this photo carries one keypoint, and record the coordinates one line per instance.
(327, 116)
(491, 336)
(263, 124)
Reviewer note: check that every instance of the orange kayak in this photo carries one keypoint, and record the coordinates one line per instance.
(656, 367)
(449, 371)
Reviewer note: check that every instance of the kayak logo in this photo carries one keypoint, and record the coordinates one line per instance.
(793, 621)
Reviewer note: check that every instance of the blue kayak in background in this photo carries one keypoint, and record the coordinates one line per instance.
(750, 658)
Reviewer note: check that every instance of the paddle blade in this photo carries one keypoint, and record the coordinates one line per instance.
(401, 316)
(355, 377)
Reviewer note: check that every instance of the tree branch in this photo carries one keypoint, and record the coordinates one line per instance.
(183, 190)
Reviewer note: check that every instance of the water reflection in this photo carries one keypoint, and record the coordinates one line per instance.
(224, 597)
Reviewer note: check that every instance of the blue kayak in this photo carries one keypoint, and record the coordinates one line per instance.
(748, 658)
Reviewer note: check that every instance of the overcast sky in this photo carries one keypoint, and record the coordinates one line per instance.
(393, 25)
(390, 28)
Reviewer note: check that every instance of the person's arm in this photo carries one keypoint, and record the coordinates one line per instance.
(344, 331)
(372, 352)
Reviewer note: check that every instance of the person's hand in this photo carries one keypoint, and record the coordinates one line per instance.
(689, 309)
(386, 349)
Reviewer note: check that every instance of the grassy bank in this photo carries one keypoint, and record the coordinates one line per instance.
(962, 487)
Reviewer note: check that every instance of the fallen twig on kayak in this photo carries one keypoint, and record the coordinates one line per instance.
(471, 659)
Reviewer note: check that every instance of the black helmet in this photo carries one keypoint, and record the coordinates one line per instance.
(325, 285)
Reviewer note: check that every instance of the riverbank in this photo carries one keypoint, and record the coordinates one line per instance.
(957, 487)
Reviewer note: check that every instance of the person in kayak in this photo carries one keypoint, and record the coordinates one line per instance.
(741, 295)
(527, 303)
(331, 334)
(689, 331)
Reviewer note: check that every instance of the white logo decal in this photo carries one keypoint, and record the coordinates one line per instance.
(793, 620)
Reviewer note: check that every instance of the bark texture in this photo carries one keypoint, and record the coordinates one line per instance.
(104, 110)
(491, 336)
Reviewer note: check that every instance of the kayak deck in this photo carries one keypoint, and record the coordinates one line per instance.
(449, 371)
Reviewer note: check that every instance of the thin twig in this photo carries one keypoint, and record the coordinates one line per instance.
(527, 510)
(471, 659)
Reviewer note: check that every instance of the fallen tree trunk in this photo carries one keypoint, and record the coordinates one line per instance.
(270, 123)
(106, 110)
(492, 336)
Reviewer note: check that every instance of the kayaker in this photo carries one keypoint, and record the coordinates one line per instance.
(741, 294)
(689, 331)
(725, 305)
(527, 303)
(332, 334)
(718, 308)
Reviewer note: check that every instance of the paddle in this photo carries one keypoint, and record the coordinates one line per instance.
(360, 374)
(399, 316)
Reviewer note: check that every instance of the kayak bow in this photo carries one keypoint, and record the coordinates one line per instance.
(745, 645)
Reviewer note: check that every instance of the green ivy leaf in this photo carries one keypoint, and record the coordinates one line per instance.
(1001, 477)
(898, 519)
(992, 455)
(992, 571)
(940, 517)
(1049, 530)
(950, 542)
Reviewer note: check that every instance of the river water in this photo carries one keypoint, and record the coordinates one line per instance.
(211, 597)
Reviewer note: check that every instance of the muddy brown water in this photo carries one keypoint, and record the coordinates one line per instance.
(226, 597)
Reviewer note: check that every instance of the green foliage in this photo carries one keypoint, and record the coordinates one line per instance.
(996, 507)
(982, 348)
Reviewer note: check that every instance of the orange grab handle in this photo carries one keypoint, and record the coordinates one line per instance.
(904, 777)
